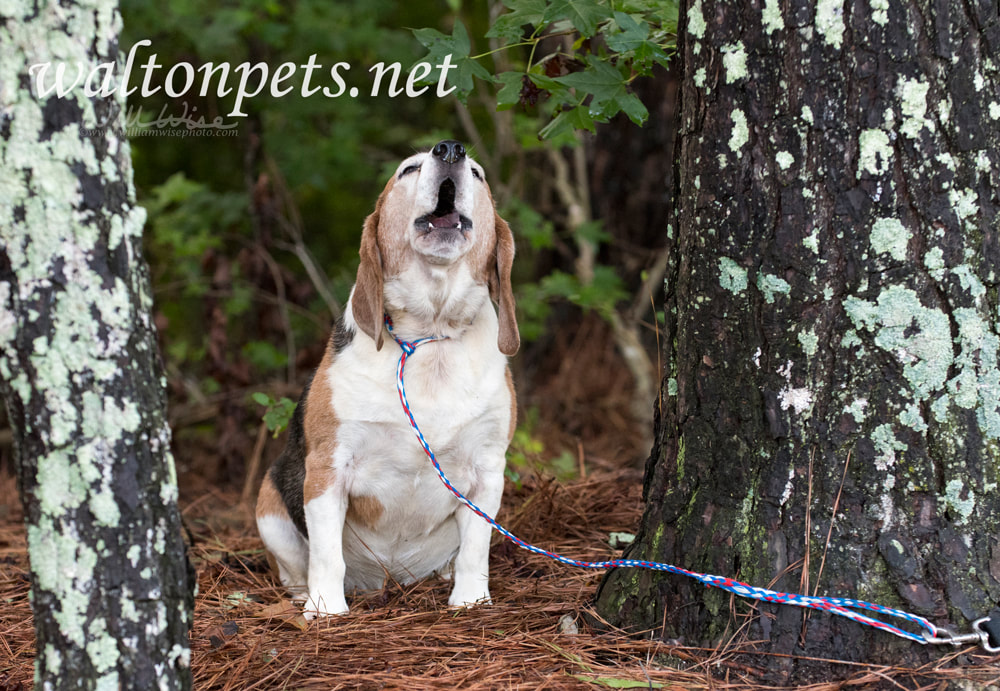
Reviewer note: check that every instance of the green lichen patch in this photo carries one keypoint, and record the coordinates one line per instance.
(960, 499)
(880, 12)
(102, 648)
(913, 104)
(772, 286)
(886, 446)
(977, 384)
(969, 281)
(890, 236)
(830, 22)
(965, 203)
(64, 566)
(784, 160)
(857, 409)
(875, 152)
(918, 337)
(732, 276)
(934, 261)
(734, 60)
(811, 241)
(696, 21)
(912, 417)
(771, 17)
(741, 131)
(809, 341)
(983, 165)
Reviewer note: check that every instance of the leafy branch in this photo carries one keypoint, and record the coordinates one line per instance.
(592, 51)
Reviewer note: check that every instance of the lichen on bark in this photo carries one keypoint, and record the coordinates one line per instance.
(80, 372)
(861, 353)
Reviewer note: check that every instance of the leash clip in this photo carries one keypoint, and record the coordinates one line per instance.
(979, 635)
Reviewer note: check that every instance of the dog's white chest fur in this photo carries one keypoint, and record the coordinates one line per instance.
(461, 403)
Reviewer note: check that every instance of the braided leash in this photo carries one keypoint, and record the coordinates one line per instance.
(842, 606)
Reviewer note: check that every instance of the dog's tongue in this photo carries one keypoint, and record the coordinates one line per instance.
(447, 221)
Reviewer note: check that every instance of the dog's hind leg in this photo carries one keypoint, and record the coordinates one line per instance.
(287, 551)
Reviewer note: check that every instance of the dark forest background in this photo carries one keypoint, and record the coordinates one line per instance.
(253, 238)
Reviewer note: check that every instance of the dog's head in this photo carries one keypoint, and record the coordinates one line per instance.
(436, 209)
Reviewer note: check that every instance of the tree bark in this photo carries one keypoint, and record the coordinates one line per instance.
(829, 421)
(79, 370)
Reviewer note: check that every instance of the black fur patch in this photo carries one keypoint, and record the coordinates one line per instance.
(289, 471)
(341, 336)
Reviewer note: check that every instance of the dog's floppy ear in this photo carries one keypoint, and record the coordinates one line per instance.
(366, 301)
(501, 291)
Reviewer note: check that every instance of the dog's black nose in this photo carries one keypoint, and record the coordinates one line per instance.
(449, 151)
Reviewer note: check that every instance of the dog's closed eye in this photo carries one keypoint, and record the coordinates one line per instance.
(407, 170)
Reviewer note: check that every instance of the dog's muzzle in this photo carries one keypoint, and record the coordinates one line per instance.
(445, 216)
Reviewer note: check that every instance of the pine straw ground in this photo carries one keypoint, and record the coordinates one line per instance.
(405, 637)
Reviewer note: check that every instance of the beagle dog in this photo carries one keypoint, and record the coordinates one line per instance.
(353, 502)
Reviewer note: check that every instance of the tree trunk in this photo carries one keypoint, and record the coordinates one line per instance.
(80, 372)
(829, 421)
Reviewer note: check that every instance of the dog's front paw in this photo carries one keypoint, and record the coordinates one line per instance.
(469, 597)
(320, 605)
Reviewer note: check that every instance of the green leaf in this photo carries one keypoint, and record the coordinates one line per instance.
(261, 398)
(240, 301)
(633, 108)
(593, 232)
(648, 53)
(632, 39)
(509, 94)
(601, 79)
(609, 89)
(557, 91)
(264, 356)
(630, 35)
(531, 225)
(176, 188)
(513, 476)
(279, 414)
(510, 25)
(585, 15)
(457, 46)
(561, 284)
(604, 290)
(564, 466)
(568, 121)
(532, 311)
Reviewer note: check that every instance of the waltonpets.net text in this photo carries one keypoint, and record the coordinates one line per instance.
(254, 79)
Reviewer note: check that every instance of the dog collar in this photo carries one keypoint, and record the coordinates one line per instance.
(409, 346)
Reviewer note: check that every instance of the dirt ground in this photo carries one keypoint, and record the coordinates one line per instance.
(537, 634)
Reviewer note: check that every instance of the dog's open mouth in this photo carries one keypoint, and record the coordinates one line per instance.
(444, 216)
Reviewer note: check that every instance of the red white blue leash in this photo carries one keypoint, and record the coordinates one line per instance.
(986, 633)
